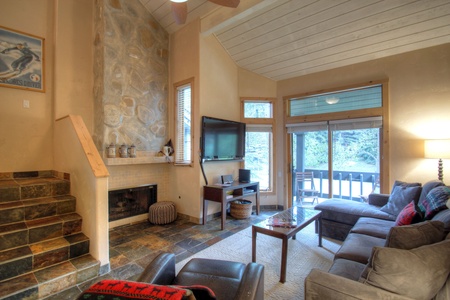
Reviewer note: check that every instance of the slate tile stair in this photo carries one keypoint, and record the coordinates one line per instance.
(42, 248)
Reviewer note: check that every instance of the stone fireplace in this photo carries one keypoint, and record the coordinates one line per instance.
(131, 65)
(130, 77)
(129, 202)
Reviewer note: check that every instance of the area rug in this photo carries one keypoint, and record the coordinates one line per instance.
(303, 255)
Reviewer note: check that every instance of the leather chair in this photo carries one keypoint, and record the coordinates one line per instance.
(227, 279)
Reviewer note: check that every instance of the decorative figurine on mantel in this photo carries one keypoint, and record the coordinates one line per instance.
(111, 150)
(123, 151)
(167, 149)
(132, 151)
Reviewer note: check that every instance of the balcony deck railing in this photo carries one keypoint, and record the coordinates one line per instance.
(346, 185)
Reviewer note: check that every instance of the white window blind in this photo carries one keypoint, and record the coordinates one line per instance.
(361, 123)
(259, 127)
(348, 124)
(347, 100)
(183, 143)
(307, 127)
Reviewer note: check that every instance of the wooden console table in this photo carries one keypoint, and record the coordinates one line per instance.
(221, 193)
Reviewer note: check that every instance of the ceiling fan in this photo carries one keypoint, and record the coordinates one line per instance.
(179, 8)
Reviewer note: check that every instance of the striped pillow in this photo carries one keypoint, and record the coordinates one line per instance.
(435, 201)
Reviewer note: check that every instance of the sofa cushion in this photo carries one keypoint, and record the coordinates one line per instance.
(418, 273)
(400, 197)
(348, 211)
(444, 292)
(435, 201)
(444, 217)
(410, 214)
(374, 227)
(415, 235)
(358, 247)
(347, 268)
(122, 289)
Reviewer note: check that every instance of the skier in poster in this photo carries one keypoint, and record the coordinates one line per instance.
(22, 62)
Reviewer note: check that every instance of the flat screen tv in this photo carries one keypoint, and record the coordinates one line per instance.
(222, 140)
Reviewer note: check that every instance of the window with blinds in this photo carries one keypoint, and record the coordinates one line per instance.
(183, 140)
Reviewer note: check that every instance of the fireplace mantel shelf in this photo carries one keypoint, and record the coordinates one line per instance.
(137, 160)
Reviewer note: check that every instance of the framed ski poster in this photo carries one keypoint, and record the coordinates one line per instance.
(21, 60)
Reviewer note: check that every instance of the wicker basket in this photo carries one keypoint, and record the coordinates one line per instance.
(241, 209)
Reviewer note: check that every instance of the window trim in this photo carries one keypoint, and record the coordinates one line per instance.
(270, 121)
(265, 122)
(176, 86)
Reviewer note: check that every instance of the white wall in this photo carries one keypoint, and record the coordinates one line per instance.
(26, 134)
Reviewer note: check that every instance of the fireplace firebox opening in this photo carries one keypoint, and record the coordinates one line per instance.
(129, 202)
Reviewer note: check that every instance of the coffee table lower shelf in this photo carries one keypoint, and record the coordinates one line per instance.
(302, 216)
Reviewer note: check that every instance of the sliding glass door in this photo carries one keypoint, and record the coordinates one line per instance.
(355, 159)
(348, 163)
(338, 136)
(310, 154)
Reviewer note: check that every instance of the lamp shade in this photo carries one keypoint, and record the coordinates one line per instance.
(437, 148)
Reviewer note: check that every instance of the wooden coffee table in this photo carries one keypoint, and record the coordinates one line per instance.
(298, 218)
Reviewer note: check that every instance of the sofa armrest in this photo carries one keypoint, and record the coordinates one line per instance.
(252, 283)
(160, 271)
(320, 285)
(378, 199)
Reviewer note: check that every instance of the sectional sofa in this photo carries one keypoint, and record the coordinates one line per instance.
(396, 246)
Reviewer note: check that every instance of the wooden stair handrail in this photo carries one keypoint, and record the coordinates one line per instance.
(95, 160)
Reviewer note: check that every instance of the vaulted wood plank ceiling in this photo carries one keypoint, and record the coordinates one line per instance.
(281, 39)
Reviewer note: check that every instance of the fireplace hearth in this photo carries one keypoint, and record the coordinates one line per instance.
(129, 202)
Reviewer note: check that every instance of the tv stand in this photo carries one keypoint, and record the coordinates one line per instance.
(220, 193)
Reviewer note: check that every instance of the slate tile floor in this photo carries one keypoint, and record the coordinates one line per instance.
(132, 247)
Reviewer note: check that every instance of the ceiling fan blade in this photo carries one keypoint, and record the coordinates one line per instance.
(179, 11)
(227, 3)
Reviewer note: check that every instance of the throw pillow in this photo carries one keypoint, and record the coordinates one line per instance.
(427, 187)
(404, 184)
(123, 290)
(415, 235)
(418, 273)
(435, 201)
(410, 214)
(400, 197)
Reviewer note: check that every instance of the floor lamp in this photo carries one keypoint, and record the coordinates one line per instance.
(438, 149)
